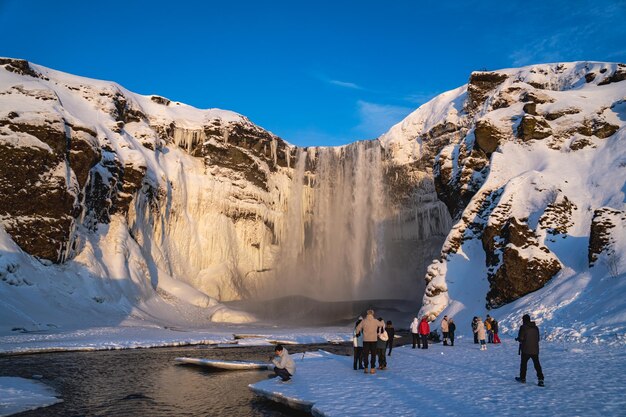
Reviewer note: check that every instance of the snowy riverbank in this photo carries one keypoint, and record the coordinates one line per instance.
(132, 337)
(581, 379)
(20, 394)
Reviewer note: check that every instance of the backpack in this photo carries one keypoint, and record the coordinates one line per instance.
(383, 336)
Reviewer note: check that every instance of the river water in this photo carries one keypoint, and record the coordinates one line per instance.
(147, 382)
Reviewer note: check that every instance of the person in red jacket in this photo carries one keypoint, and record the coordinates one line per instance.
(424, 331)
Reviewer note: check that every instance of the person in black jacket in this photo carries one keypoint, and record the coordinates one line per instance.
(528, 338)
(451, 330)
(474, 327)
(391, 332)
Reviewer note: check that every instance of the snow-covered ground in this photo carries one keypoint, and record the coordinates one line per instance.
(20, 394)
(581, 380)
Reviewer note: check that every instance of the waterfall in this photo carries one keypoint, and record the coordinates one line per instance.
(330, 243)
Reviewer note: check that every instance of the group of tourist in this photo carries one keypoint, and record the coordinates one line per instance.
(486, 332)
(373, 336)
(371, 339)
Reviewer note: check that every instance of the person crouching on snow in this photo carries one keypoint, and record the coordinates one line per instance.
(284, 366)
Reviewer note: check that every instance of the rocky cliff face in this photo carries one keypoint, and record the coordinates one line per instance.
(212, 200)
(519, 159)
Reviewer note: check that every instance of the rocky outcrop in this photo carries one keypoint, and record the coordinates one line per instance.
(518, 214)
(47, 161)
(480, 85)
(533, 127)
(517, 263)
(488, 137)
(19, 66)
(618, 75)
(601, 240)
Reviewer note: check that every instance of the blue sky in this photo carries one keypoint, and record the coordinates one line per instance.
(313, 72)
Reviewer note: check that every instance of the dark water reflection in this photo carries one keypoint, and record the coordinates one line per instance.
(147, 382)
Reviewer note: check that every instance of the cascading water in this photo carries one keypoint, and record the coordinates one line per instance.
(341, 239)
(339, 224)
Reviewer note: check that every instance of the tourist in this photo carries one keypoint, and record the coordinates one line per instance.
(424, 331)
(369, 326)
(357, 342)
(474, 325)
(494, 328)
(444, 330)
(391, 332)
(451, 330)
(415, 332)
(381, 345)
(528, 338)
(480, 333)
(489, 329)
(284, 366)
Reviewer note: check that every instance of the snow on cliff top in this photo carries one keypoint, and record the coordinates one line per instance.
(160, 108)
(404, 139)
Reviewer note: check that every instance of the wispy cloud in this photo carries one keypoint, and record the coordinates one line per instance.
(345, 84)
(420, 97)
(339, 83)
(584, 32)
(376, 119)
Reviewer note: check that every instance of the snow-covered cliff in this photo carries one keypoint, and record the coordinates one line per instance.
(531, 164)
(152, 208)
(120, 207)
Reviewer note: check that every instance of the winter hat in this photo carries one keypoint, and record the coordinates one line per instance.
(526, 318)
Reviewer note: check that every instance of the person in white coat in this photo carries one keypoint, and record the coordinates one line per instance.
(284, 366)
(481, 332)
(444, 330)
(415, 332)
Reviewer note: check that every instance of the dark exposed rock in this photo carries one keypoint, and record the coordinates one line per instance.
(125, 112)
(557, 217)
(160, 100)
(533, 127)
(595, 127)
(83, 153)
(233, 158)
(580, 143)
(479, 87)
(603, 130)
(617, 76)
(558, 114)
(536, 97)
(513, 274)
(49, 132)
(27, 174)
(488, 137)
(20, 66)
(590, 76)
(456, 187)
(530, 108)
(600, 240)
